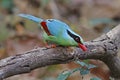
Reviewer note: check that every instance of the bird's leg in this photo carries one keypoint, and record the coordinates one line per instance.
(53, 45)
(50, 46)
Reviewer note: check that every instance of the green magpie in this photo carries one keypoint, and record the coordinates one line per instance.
(57, 32)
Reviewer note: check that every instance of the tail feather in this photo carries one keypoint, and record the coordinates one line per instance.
(30, 17)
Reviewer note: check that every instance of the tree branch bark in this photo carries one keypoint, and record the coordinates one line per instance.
(104, 48)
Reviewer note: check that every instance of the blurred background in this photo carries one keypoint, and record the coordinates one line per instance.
(89, 18)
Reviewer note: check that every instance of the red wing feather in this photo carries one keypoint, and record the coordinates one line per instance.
(45, 28)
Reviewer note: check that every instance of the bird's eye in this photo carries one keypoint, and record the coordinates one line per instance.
(77, 39)
(50, 20)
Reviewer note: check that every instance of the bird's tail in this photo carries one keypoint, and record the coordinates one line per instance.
(30, 17)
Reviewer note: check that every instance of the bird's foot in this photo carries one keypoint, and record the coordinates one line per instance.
(51, 46)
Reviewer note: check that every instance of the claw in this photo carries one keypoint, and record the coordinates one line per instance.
(51, 46)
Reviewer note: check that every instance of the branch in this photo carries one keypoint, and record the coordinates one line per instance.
(104, 48)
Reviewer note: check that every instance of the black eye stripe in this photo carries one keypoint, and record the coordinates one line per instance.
(76, 38)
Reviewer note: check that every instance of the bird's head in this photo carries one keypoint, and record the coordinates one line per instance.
(77, 39)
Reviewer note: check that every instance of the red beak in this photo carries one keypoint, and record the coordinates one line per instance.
(83, 47)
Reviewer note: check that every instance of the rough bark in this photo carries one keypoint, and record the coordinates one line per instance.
(104, 48)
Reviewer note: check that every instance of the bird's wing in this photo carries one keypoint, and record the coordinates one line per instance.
(30, 17)
(56, 27)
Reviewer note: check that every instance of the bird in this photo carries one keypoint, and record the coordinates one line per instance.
(57, 32)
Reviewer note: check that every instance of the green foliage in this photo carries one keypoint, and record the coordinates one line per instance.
(52, 68)
(8, 4)
(85, 69)
(85, 64)
(3, 33)
(64, 75)
(44, 2)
